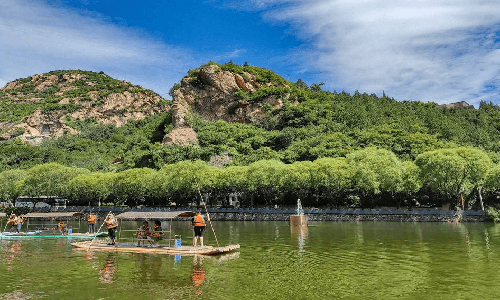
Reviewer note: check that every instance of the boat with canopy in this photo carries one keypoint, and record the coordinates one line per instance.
(41, 225)
(152, 246)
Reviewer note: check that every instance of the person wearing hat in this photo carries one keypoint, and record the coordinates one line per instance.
(61, 226)
(13, 222)
(143, 233)
(111, 224)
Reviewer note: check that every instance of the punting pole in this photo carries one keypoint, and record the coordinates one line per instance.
(5, 228)
(208, 215)
(97, 232)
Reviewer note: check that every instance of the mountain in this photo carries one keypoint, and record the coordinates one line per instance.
(46, 106)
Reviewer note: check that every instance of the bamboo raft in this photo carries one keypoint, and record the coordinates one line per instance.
(155, 249)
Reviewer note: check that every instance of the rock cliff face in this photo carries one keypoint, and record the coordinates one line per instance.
(41, 106)
(216, 94)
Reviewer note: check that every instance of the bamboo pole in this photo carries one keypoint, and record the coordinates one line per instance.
(97, 232)
(208, 215)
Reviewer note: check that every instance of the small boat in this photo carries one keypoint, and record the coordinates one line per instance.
(42, 231)
(155, 249)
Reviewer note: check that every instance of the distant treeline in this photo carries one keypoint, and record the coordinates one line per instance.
(364, 178)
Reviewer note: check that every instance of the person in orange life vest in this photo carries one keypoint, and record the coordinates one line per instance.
(111, 224)
(20, 222)
(142, 233)
(61, 226)
(199, 226)
(157, 231)
(91, 219)
(13, 222)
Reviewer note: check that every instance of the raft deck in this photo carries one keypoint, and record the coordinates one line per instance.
(156, 249)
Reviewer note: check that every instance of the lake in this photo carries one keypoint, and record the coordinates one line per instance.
(326, 260)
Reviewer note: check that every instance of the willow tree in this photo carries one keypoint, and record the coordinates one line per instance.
(297, 178)
(184, 178)
(265, 178)
(92, 187)
(331, 178)
(50, 180)
(375, 171)
(11, 184)
(130, 185)
(454, 172)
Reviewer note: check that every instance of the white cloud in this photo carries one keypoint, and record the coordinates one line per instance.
(429, 50)
(36, 37)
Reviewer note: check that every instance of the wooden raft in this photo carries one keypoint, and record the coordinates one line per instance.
(131, 248)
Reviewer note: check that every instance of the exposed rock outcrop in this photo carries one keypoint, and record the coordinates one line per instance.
(48, 102)
(461, 104)
(211, 92)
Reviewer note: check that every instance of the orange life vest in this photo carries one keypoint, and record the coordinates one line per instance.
(61, 225)
(111, 223)
(198, 221)
(91, 219)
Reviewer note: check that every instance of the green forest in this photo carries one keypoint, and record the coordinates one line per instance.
(330, 149)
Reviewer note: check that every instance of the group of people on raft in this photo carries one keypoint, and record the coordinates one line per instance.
(15, 222)
(144, 233)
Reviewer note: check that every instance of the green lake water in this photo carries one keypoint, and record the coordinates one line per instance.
(327, 260)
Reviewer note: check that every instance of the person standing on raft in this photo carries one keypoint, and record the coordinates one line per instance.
(20, 222)
(13, 222)
(198, 222)
(91, 219)
(111, 224)
(61, 226)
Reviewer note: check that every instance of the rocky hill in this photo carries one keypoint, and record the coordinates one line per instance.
(228, 92)
(44, 106)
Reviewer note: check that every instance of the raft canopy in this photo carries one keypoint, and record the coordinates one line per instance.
(3, 215)
(154, 215)
(52, 214)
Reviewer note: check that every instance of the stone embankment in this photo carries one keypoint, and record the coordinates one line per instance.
(356, 215)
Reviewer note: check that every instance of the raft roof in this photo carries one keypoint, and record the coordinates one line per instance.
(3, 215)
(156, 215)
(51, 214)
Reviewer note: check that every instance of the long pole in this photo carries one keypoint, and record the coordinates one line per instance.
(91, 242)
(208, 215)
(5, 228)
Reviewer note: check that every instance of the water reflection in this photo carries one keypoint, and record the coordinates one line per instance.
(11, 255)
(109, 270)
(198, 274)
(148, 266)
(301, 233)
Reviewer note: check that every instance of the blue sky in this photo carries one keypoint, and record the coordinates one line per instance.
(428, 50)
